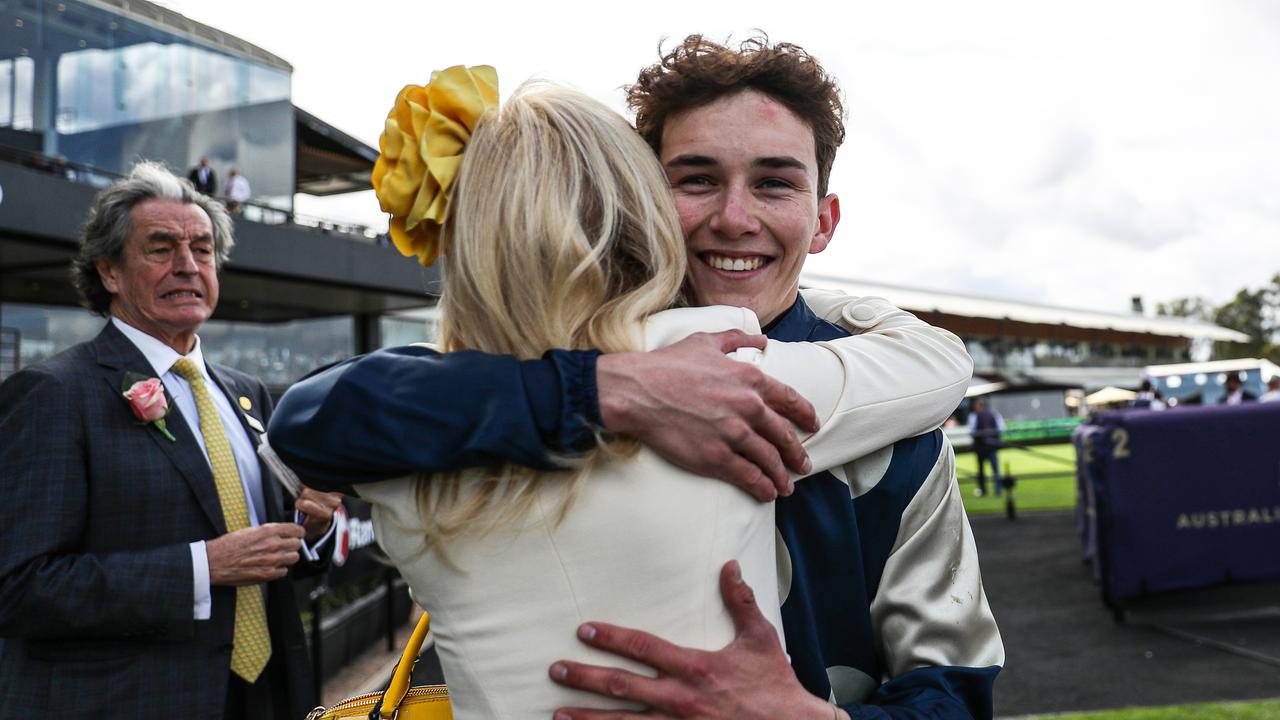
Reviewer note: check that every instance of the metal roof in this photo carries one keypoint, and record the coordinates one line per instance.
(921, 300)
(329, 161)
(1089, 378)
(175, 22)
(1268, 368)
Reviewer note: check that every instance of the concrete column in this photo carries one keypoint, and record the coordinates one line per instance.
(368, 332)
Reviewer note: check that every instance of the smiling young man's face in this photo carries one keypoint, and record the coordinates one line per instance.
(744, 176)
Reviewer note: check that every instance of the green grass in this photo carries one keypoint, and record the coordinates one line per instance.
(1032, 493)
(1264, 710)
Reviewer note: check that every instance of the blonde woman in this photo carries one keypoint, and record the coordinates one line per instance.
(560, 233)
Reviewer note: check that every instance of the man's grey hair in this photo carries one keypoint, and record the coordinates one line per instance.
(108, 226)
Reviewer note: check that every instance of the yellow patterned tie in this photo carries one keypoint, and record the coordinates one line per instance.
(252, 643)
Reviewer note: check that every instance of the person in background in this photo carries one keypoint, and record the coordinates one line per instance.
(1148, 397)
(204, 178)
(1236, 394)
(237, 191)
(146, 548)
(58, 166)
(1273, 390)
(986, 425)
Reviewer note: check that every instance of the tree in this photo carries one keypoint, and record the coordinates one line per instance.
(1245, 313)
(1255, 313)
(1196, 308)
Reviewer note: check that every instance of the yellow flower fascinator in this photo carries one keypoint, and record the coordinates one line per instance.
(421, 150)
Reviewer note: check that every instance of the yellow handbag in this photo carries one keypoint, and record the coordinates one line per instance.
(398, 701)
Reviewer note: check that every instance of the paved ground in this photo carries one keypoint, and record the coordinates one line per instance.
(1067, 653)
(371, 670)
(1065, 650)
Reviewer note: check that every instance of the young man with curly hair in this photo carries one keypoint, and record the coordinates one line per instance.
(882, 602)
(883, 607)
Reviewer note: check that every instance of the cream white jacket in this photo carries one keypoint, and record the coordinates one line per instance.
(643, 541)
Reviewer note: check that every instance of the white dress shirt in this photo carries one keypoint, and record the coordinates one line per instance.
(161, 357)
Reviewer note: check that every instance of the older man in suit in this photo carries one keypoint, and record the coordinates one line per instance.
(145, 548)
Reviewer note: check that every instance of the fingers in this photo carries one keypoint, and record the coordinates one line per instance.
(730, 340)
(329, 500)
(775, 448)
(736, 470)
(763, 457)
(317, 510)
(740, 600)
(313, 508)
(275, 551)
(277, 567)
(789, 404)
(642, 647)
(588, 714)
(770, 408)
(254, 554)
(706, 413)
(611, 682)
(282, 530)
(283, 550)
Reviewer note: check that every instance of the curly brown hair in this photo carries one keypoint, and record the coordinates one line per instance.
(699, 71)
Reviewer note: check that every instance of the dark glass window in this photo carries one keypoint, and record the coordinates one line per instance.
(276, 353)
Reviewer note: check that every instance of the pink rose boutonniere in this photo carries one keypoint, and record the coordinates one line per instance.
(149, 404)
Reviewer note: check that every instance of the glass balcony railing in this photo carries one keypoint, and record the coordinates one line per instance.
(252, 211)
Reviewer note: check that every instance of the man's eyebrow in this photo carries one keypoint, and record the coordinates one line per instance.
(779, 162)
(171, 237)
(691, 160)
(783, 162)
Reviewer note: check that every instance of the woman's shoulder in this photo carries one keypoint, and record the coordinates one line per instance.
(394, 492)
(671, 326)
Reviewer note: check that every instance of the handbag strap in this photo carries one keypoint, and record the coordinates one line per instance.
(403, 674)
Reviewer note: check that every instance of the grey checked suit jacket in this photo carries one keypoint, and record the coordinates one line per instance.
(96, 516)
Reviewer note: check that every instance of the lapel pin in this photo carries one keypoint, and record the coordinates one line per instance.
(245, 403)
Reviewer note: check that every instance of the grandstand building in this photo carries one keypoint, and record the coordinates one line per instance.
(1025, 343)
(88, 87)
(1037, 362)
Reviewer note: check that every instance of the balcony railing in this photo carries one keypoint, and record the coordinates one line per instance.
(10, 351)
(250, 211)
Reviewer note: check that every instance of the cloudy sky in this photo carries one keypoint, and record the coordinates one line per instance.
(1069, 152)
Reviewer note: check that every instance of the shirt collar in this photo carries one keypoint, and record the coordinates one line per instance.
(797, 324)
(160, 356)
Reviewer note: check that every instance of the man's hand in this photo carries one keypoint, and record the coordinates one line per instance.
(318, 508)
(708, 414)
(254, 555)
(749, 678)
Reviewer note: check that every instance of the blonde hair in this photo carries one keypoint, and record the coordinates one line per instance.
(561, 234)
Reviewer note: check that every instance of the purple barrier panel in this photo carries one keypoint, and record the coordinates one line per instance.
(1186, 498)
